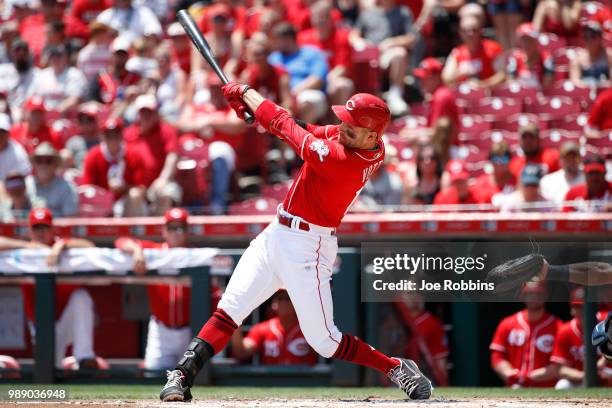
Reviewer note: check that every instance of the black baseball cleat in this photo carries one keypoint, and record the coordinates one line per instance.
(176, 388)
(411, 380)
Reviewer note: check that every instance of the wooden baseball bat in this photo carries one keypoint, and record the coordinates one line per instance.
(198, 39)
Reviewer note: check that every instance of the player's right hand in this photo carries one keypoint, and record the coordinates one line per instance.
(234, 90)
(140, 263)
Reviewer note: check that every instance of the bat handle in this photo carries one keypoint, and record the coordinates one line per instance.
(248, 117)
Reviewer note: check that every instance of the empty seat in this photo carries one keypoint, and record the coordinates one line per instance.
(365, 67)
(556, 137)
(473, 125)
(575, 123)
(468, 96)
(95, 201)
(514, 90)
(494, 109)
(497, 135)
(601, 145)
(514, 122)
(555, 107)
(581, 95)
(406, 122)
(254, 206)
(551, 42)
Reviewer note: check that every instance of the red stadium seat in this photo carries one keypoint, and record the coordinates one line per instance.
(254, 206)
(581, 95)
(551, 42)
(574, 123)
(419, 109)
(95, 201)
(406, 122)
(561, 58)
(495, 109)
(404, 151)
(556, 107)
(495, 136)
(471, 153)
(516, 91)
(469, 96)
(601, 145)
(513, 123)
(192, 147)
(471, 126)
(365, 68)
(275, 191)
(556, 137)
(192, 169)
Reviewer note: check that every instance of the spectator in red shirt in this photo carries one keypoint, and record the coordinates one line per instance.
(500, 182)
(596, 194)
(277, 341)
(169, 331)
(533, 152)
(34, 129)
(73, 305)
(219, 26)
(459, 192)
(523, 342)
(271, 81)
(180, 45)
(86, 11)
(530, 65)
(558, 17)
(157, 141)
(115, 83)
(334, 42)
(119, 169)
(478, 60)
(600, 117)
(443, 119)
(567, 360)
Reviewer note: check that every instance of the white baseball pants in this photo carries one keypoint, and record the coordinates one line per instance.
(298, 261)
(165, 345)
(75, 326)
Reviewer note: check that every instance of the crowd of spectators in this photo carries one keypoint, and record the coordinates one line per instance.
(111, 93)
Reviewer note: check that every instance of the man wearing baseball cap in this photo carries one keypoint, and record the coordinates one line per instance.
(529, 64)
(527, 197)
(34, 129)
(533, 152)
(595, 195)
(443, 118)
(555, 185)
(73, 305)
(459, 191)
(296, 251)
(169, 326)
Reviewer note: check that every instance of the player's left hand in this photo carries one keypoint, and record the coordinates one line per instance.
(234, 90)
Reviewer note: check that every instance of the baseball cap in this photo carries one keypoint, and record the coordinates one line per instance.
(531, 175)
(45, 149)
(457, 170)
(41, 216)
(146, 101)
(364, 110)
(112, 124)
(35, 103)
(121, 43)
(577, 296)
(594, 164)
(428, 67)
(176, 215)
(527, 30)
(5, 122)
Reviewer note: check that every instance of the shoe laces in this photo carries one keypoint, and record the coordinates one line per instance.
(408, 383)
(174, 379)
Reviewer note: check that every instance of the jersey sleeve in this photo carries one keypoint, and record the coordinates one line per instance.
(321, 154)
(561, 349)
(256, 335)
(320, 132)
(500, 338)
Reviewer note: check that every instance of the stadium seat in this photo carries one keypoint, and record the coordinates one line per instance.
(404, 151)
(419, 109)
(556, 107)
(556, 137)
(254, 206)
(574, 123)
(472, 126)
(567, 88)
(192, 147)
(468, 96)
(601, 145)
(95, 201)
(561, 58)
(496, 135)
(512, 123)
(471, 153)
(516, 91)
(275, 191)
(551, 42)
(495, 109)
(365, 67)
(406, 122)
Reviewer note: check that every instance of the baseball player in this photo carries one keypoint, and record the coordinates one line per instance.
(567, 360)
(297, 250)
(278, 340)
(523, 342)
(169, 329)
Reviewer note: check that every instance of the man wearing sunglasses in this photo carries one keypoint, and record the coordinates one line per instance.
(169, 326)
(73, 305)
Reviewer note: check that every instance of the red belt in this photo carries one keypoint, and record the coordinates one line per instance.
(304, 226)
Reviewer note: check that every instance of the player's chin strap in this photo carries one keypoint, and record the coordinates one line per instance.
(602, 336)
(198, 352)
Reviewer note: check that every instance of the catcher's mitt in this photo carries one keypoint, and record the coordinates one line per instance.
(513, 273)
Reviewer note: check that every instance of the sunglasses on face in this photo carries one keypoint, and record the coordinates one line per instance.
(40, 227)
(44, 160)
(176, 228)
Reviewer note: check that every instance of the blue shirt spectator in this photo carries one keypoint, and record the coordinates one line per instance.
(305, 62)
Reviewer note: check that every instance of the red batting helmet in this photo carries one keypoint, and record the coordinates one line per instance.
(364, 110)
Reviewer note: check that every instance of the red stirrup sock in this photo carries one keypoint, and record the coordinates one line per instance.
(356, 351)
(218, 330)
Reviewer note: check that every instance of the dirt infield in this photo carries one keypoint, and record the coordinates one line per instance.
(328, 403)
